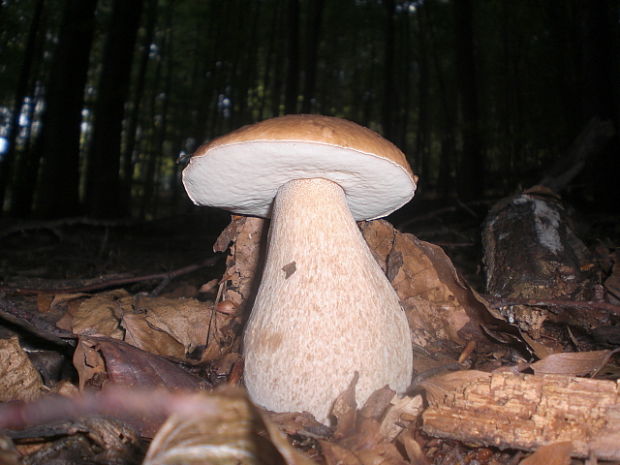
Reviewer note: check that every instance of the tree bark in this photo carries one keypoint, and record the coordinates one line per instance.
(279, 54)
(58, 143)
(601, 92)
(159, 114)
(423, 136)
(447, 158)
(132, 126)
(313, 38)
(471, 167)
(600, 89)
(389, 107)
(34, 37)
(103, 180)
(270, 60)
(292, 72)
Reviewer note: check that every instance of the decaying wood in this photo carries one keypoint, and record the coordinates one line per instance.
(590, 141)
(588, 305)
(533, 253)
(526, 411)
(531, 249)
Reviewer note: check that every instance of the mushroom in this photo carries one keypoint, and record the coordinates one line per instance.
(324, 310)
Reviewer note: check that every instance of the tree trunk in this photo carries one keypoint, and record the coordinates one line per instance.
(599, 61)
(278, 65)
(601, 72)
(58, 143)
(313, 37)
(388, 69)
(272, 79)
(147, 162)
(103, 180)
(34, 36)
(269, 61)
(292, 72)
(403, 70)
(422, 141)
(132, 126)
(566, 41)
(471, 167)
(445, 176)
(159, 114)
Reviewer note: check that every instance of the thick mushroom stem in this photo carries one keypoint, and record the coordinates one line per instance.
(324, 309)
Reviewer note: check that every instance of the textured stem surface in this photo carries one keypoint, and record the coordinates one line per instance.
(324, 309)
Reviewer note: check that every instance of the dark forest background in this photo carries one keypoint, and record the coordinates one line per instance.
(100, 100)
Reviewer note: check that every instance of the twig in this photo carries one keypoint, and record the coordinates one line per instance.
(106, 283)
(113, 401)
(218, 297)
(453, 245)
(53, 225)
(591, 140)
(34, 323)
(440, 211)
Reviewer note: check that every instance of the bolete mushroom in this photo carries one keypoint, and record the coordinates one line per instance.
(324, 309)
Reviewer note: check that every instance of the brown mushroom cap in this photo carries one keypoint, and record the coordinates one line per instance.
(243, 170)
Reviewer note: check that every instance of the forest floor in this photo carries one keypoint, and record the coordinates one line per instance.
(44, 266)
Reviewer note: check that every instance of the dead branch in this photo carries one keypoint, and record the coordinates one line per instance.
(590, 141)
(34, 323)
(525, 411)
(111, 401)
(53, 225)
(104, 283)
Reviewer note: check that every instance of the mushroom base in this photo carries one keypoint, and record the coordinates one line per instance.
(324, 309)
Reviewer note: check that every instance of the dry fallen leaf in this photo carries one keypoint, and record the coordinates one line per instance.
(19, 380)
(243, 264)
(344, 410)
(337, 455)
(572, 363)
(101, 313)
(229, 429)
(403, 410)
(46, 302)
(173, 327)
(165, 326)
(382, 454)
(552, 454)
(366, 436)
(414, 450)
(443, 311)
(101, 361)
(139, 333)
(377, 403)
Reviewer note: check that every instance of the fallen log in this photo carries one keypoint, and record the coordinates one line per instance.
(525, 412)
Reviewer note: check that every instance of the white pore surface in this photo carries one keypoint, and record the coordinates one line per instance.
(244, 177)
